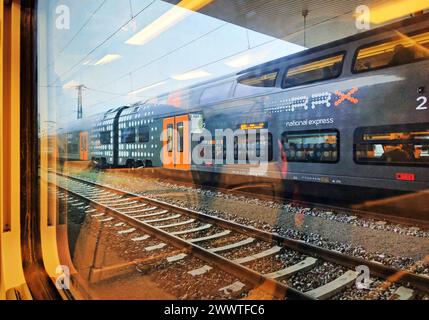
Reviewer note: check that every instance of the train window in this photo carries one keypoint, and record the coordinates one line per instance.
(144, 134)
(180, 137)
(393, 145)
(73, 140)
(72, 148)
(312, 146)
(255, 84)
(393, 52)
(256, 146)
(170, 134)
(105, 137)
(265, 80)
(129, 135)
(316, 70)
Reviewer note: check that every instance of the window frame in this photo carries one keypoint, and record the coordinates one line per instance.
(331, 55)
(321, 131)
(385, 40)
(358, 137)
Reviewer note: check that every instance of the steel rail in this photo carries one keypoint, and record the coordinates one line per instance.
(404, 277)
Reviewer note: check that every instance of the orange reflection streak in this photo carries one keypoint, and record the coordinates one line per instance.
(414, 42)
(168, 20)
(299, 219)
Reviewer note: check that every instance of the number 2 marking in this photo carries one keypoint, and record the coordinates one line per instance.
(423, 100)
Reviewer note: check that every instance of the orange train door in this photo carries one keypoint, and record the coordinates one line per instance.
(176, 151)
(182, 150)
(84, 146)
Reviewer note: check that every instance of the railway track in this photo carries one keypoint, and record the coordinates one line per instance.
(256, 191)
(236, 249)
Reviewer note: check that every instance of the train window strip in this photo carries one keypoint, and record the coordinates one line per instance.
(393, 145)
(317, 146)
(394, 51)
(320, 69)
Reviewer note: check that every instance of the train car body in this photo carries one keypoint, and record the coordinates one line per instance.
(353, 112)
(73, 139)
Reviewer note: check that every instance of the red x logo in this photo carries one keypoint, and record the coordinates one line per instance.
(349, 96)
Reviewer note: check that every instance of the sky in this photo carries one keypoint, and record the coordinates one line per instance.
(105, 50)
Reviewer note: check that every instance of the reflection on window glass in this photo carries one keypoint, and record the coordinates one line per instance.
(204, 105)
(403, 146)
(402, 50)
(312, 146)
(319, 70)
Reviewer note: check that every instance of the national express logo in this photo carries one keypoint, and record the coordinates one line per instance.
(315, 101)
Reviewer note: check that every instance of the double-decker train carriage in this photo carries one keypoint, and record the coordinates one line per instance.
(353, 112)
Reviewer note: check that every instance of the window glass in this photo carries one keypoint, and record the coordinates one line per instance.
(180, 137)
(170, 134)
(255, 145)
(129, 135)
(401, 50)
(144, 134)
(252, 85)
(319, 70)
(146, 108)
(312, 146)
(396, 146)
(105, 137)
(73, 143)
(264, 80)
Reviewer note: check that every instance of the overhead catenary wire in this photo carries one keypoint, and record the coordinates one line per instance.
(100, 44)
(80, 30)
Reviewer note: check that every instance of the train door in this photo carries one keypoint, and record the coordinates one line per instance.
(84, 146)
(176, 151)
